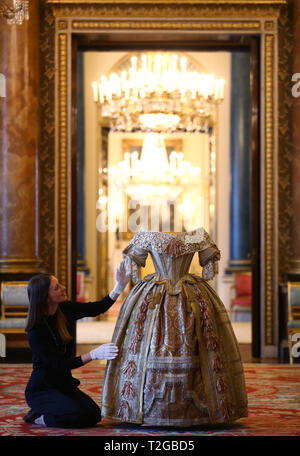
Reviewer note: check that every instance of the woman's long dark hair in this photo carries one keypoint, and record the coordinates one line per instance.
(37, 289)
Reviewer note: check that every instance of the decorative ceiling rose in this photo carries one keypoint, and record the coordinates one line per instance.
(153, 175)
(17, 13)
(159, 92)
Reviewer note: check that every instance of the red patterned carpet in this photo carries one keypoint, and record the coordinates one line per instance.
(273, 393)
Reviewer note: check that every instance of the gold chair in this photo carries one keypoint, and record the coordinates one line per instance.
(241, 295)
(293, 315)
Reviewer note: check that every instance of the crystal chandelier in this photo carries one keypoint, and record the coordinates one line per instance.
(17, 13)
(153, 175)
(158, 93)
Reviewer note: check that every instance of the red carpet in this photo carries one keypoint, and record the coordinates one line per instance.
(273, 393)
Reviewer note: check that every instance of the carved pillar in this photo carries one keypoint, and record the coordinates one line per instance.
(19, 146)
(295, 260)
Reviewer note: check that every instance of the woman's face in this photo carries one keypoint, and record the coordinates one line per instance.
(56, 294)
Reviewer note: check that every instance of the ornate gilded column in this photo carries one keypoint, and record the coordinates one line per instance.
(240, 158)
(19, 146)
(295, 260)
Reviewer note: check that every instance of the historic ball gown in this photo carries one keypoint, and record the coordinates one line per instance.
(179, 363)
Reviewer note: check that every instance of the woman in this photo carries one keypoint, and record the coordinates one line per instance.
(52, 393)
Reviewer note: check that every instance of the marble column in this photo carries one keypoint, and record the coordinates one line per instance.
(240, 158)
(295, 260)
(19, 146)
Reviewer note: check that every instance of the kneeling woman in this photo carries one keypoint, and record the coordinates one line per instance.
(52, 393)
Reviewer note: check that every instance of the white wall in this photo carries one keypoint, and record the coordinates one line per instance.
(98, 63)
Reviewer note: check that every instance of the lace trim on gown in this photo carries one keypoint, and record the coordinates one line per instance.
(132, 269)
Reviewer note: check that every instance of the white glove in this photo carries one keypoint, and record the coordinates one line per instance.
(105, 351)
(121, 281)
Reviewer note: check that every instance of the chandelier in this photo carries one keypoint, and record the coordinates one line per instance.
(158, 93)
(153, 176)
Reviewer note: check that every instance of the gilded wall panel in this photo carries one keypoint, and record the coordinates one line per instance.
(244, 17)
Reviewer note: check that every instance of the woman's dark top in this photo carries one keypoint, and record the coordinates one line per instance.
(52, 359)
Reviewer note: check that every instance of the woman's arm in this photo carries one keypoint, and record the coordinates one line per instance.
(104, 351)
(45, 351)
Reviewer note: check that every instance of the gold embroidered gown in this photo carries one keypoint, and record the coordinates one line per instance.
(179, 363)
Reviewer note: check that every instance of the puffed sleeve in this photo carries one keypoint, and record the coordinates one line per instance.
(209, 256)
(135, 255)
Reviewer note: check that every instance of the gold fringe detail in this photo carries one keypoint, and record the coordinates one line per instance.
(139, 324)
(124, 411)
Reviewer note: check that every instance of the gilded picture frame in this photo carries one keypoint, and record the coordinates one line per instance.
(233, 17)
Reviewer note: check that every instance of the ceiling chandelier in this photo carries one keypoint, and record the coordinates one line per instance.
(159, 92)
(17, 13)
(153, 176)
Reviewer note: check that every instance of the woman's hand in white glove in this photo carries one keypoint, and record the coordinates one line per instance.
(105, 351)
(122, 280)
